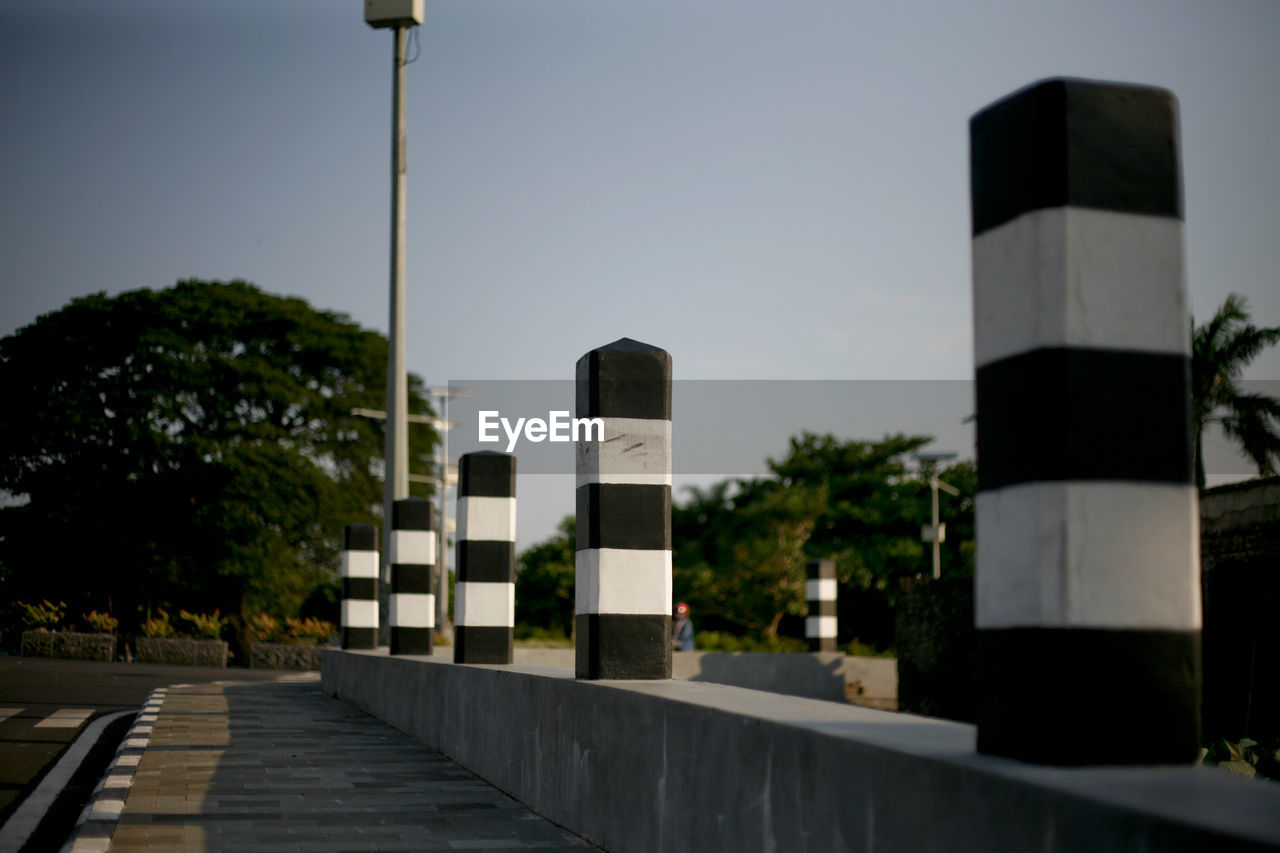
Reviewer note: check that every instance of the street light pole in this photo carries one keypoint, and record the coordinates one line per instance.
(396, 454)
(936, 532)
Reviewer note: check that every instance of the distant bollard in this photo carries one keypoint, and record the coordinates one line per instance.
(412, 556)
(623, 575)
(485, 595)
(1087, 572)
(820, 590)
(359, 587)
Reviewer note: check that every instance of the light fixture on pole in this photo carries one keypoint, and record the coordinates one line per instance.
(936, 532)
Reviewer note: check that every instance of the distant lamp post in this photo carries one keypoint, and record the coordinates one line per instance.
(448, 477)
(400, 15)
(936, 532)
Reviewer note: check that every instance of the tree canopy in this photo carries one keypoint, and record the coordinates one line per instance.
(192, 446)
(1220, 350)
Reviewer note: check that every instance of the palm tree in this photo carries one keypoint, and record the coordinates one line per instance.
(1220, 350)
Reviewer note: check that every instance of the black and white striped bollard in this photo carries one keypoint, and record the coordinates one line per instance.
(623, 574)
(359, 587)
(1087, 576)
(485, 594)
(820, 590)
(412, 556)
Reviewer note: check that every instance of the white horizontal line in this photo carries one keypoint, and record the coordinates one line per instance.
(65, 718)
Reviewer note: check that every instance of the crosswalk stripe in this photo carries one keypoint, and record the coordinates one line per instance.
(6, 713)
(65, 718)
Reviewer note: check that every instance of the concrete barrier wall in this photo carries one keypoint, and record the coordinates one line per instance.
(678, 765)
(833, 676)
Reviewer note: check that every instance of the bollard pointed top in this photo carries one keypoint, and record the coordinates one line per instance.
(1070, 142)
(412, 514)
(624, 379)
(359, 537)
(487, 473)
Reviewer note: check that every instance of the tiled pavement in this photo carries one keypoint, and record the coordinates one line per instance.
(283, 767)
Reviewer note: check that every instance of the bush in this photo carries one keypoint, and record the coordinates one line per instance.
(100, 623)
(158, 626)
(534, 637)
(263, 628)
(1245, 757)
(205, 626)
(45, 616)
(308, 631)
(722, 641)
(859, 649)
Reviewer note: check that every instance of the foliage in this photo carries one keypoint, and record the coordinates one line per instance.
(100, 623)
(544, 582)
(723, 641)
(532, 637)
(308, 632)
(205, 626)
(741, 546)
(213, 416)
(1220, 350)
(265, 628)
(45, 616)
(1246, 757)
(857, 648)
(159, 626)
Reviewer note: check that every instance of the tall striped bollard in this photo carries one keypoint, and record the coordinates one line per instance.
(359, 587)
(820, 590)
(623, 560)
(412, 608)
(1087, 574)
(485, 595)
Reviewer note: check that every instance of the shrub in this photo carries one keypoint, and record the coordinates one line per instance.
(100, 623)
(1245, 757)
(263, 628)
(158, 626)
(722, 641)
(534, 637)
(309, 631)
(45, 616)
(205, 626)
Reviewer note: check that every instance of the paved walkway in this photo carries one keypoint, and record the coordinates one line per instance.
(283, 767)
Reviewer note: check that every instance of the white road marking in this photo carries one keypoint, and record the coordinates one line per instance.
(14, 833)
(6, 713)
(65, 718)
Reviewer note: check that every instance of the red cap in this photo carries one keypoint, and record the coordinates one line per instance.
(682, 609)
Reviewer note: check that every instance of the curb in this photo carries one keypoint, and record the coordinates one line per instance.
(97, 822)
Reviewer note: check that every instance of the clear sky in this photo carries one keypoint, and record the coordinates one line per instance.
(767, 189)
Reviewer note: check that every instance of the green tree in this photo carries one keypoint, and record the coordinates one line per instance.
(545, 581)
(741, 546)
(740, 552)
(188, 447)
(1220, 350)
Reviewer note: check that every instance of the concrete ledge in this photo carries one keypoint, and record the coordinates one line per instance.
(650, 765)
(834, 676)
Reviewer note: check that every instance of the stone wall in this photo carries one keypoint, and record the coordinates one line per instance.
(285, 656)
(181, 651)
(69, 644)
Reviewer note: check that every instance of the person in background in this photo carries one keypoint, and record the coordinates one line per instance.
(682, 631)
